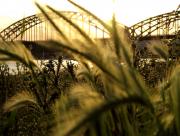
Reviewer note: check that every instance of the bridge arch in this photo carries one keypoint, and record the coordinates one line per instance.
(162, 26)
(36, 27)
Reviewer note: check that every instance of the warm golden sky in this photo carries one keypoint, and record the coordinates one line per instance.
(128, 12)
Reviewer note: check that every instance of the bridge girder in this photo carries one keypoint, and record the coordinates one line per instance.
(164, 25)
(17, 29)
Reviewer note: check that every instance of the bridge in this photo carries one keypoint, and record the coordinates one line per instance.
(37, 28)
(162, 26)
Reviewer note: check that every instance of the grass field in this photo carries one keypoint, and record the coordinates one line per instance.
(99, 97)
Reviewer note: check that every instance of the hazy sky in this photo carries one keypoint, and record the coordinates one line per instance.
(128, 12)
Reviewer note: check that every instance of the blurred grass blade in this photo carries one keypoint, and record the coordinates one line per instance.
(17, 52)
(62, 47)
(19, 100)
(53, 23)
(73, 25)
(175, 94)
(115, 37)
(161, 52)
(91, 14)
(120, 49)
(109, 104)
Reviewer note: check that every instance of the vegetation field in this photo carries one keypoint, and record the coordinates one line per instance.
(110, 92)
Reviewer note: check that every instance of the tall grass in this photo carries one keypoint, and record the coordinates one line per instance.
(105, 98)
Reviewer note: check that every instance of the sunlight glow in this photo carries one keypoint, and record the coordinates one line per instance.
(127, 12)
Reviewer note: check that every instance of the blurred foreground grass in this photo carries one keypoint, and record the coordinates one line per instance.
(100, 97)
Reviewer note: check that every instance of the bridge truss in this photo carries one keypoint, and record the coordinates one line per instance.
(37, 27)
(162, 26)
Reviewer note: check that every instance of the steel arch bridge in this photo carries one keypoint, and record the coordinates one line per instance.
(37, 27)
(162, 26)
